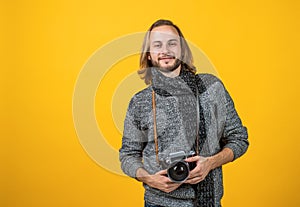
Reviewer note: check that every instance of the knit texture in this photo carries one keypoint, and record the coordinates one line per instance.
(219, 127)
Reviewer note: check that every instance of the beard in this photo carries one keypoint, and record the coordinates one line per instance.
(167, 69)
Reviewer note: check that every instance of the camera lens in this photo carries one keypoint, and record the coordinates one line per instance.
(178, 172)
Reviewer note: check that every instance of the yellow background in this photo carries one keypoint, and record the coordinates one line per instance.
(44, 44)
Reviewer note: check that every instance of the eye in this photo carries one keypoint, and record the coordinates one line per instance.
(157, 45)
(172, 43)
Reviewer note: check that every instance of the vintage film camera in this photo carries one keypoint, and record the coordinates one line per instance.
(178, 169)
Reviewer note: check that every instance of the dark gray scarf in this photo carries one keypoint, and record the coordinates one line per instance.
(192, 83)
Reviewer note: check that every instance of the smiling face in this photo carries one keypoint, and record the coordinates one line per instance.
(165, 50)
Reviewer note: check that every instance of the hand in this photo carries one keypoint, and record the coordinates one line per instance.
(159, 180)
(201, 170)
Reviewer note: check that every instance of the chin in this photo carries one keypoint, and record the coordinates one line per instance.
(170, 67)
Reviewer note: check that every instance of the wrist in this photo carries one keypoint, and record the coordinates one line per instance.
(142, 175)
(211, 162)
(221, 158)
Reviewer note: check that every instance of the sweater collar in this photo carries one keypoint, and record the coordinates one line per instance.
(183, 84)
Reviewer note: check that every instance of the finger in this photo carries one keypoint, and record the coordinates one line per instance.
(172, 189)
(162, 172)
(194, 180)
(192, 159)
(195, 172)
(172, 186)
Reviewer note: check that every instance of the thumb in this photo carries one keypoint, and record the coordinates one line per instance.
(162, 172)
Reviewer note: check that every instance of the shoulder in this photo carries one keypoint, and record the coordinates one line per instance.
(141, 95)
(207, 81)
(141, 99)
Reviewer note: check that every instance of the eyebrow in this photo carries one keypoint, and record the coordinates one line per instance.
(158, 41)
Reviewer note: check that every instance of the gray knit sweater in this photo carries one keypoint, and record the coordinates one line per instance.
(220, 126)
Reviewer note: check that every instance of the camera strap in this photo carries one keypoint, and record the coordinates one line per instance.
(155, 125)
(198, 120)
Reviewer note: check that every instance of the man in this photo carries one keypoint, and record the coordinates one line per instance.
(179, 112)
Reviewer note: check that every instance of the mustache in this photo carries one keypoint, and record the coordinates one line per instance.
(166, 57)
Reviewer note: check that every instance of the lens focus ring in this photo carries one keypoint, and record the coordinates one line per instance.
(178, 172)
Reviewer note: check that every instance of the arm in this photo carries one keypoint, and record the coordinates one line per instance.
(235, 135)
(159, 180)
(206, 164)
(133, 140)
(133, 143)
(131, 162)
(223, 157)
(234, 144)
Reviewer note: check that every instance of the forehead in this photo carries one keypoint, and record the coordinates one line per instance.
(164, 32)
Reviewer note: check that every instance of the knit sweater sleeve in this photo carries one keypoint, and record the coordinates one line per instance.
(133, 140)
(235, 135)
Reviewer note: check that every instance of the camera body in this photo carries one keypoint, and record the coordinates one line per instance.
(178, 169)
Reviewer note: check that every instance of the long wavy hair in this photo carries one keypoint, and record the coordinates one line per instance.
(145, 64)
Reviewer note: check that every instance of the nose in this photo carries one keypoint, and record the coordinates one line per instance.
(165, 49)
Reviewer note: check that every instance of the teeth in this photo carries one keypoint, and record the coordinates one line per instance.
(164, 58)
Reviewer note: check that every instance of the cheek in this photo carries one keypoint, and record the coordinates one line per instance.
(177, 52)
(152, 56)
